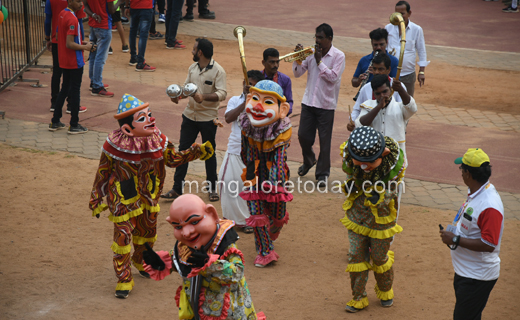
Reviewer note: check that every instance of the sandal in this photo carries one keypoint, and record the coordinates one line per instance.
(170, 195)
(303, 169)
(213, 196)
(247, 229)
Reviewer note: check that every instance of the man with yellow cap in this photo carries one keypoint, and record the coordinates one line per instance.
(475, 237)
(131, 175)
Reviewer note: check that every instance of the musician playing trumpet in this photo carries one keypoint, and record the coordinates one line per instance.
(319, 102)
(379, 41)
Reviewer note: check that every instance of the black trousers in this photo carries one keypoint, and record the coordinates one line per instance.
(56, 75)
(472, 296)
(70, 89)
(312, 119)
(191, 3)
(189, 131)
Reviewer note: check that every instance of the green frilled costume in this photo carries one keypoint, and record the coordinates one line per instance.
(216, 291)
(371, 220)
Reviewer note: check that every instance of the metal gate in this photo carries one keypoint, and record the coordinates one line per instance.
(22, 38)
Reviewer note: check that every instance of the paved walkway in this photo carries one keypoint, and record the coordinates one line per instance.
(35, 135)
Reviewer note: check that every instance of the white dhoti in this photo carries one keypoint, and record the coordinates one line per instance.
(230, 185)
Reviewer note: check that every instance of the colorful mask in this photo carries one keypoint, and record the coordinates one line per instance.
(367, 147)
(266, 103)
(193, 221)
(143, 124)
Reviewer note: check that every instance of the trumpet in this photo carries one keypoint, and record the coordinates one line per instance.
(240, 33)
(396, 19)
(299, 55)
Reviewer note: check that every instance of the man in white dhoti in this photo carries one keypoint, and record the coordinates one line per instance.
(230, 181)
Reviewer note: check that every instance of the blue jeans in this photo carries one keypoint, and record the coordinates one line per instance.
(141, 21)
(98, 58)
(173, 16)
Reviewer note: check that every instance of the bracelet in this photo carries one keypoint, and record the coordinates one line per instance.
(319, 62)
(421, 72)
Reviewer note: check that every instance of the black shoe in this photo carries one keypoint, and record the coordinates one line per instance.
(352, 309)
(77, 129)
(122, 294)
(321, 182)
(387, 303)
(188, 17)
(110, 51)
(56, 126)
(303, 169)
(144, 274)
(133, 61)
(207, 15)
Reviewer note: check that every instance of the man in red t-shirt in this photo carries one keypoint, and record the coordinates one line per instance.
(70, 51)
(100, 22)
(52, 11)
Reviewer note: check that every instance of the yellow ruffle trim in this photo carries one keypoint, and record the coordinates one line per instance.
(125, 286)
(143, 240)
(362, 304)
(342, 147)
(126, 216)
(138, 266)
(150, 208)
(350, 199)
(120, 250)
(131, 200)
(358, 267)
(375, 234)
(99, 209)
(373, 208)
(384, 295)
(385, 267)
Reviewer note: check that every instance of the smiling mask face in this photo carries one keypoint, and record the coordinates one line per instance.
(262, 108)
(193, 221)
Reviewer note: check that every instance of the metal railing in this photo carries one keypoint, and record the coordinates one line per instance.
(22, 38)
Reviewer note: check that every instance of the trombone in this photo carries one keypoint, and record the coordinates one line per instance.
(240, 33)
(299, 55)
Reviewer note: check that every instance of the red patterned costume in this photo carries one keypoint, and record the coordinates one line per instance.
(131, 175)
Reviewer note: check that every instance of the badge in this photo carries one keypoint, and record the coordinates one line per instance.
(470, 211)
(465, 224)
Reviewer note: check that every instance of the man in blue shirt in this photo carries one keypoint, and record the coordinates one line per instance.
(379, 40)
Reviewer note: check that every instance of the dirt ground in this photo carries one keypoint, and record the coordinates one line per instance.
(56, 261)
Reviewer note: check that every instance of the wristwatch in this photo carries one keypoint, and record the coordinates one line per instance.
(455, 241)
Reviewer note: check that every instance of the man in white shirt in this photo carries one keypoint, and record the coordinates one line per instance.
(229, 177)
(385, 114)
(475, 237)
(381, 64)
(414, 46)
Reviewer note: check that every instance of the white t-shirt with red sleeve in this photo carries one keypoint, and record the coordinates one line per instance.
(482, 217)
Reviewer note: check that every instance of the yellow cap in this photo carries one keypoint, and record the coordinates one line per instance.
(474, 157)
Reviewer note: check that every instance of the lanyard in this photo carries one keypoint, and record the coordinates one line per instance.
(459, 213)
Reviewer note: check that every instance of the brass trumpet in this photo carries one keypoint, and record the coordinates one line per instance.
(299, 55)
(397, 19)
(240, 33)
